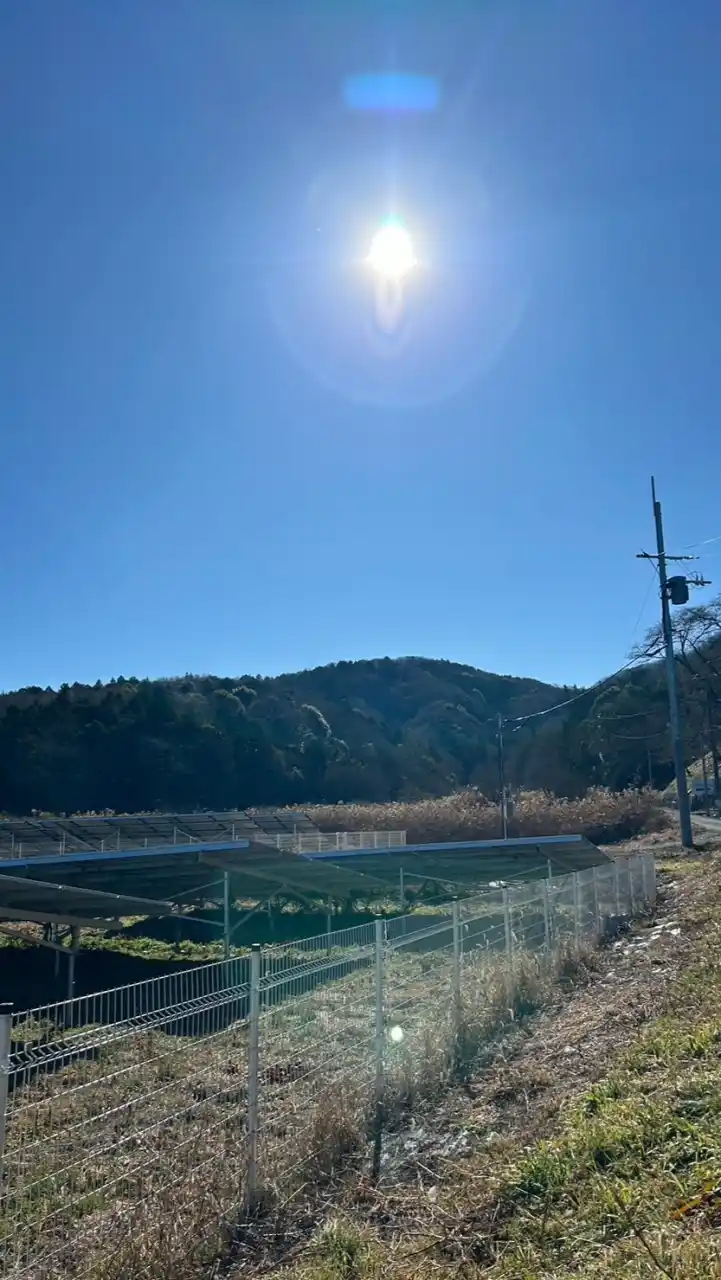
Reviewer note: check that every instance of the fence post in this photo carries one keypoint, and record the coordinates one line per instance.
(652, 868)
(226, 915)
(576, 907)
(631, 890)
(6, 1028)
(328, 924)
(617, 888)
(72, 952)
(253, 1074)
(507, 924)
(379, 1044)
(546, 916)
(644, 881)
(596, 902)
(457, 961)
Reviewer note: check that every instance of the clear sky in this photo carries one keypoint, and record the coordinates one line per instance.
(215, 460)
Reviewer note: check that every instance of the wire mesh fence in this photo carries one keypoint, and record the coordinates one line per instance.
(139, 1124)
(51, 842)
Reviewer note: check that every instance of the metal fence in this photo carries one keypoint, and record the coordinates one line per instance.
(138, 1124)
(290, 842)
(341, 840)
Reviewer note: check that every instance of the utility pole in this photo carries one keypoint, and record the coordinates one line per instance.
(684, 809)
(502, 779)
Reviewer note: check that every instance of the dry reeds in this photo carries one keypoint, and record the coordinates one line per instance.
(601, 815)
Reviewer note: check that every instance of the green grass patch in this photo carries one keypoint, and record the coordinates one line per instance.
(631, 1185)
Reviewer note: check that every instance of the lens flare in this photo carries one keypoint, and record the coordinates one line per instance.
(391, 93)
(396, 1034)
(391, 252)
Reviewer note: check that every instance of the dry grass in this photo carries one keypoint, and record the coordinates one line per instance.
(133, 1162)
(603, 816)
(594, 1153)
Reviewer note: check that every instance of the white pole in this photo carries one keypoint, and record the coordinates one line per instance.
(6, 1029)
(402, 888)
(379, 1018)
(596, 902)
(577, 906)
(379, 1037)
(457, 961)
(617, 888)
(644, 886)
(652, 878)
(508, 927)
(72, 952)
(226, 915)
(253, 1070)
(546, 916)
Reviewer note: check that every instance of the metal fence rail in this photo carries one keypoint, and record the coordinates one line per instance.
(289, 842)
(170, 1104)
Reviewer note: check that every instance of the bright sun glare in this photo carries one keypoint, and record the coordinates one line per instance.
(391, 253)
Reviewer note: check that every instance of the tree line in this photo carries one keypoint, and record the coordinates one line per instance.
(377, 730)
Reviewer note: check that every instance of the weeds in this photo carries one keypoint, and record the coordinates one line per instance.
(153, 1128)
(603, 816)
(340, 1251)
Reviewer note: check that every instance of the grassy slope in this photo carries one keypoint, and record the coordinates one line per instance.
(595, 1152)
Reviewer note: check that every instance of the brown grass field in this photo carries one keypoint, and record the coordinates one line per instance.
(588, 1148)
(603, 816)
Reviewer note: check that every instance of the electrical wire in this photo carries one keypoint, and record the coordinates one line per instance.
(518, 721)
(642, 737)
(641, 611)
(626, 715)
(704, 543)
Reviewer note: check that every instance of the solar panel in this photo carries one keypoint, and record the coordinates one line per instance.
(43, 901)
(143, 830)
(283, 821)
(473, 862)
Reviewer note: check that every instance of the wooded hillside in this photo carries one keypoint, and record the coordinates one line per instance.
(376, 730)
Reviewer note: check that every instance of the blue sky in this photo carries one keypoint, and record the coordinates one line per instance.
(213, 460)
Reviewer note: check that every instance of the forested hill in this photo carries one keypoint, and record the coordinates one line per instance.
(373, 730)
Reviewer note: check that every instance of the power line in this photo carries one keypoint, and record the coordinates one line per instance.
(641, 611)
(535, 715)
(622, 715)
(704, 543)
(639, 737)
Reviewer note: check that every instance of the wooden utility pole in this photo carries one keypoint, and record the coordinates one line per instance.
(684, 808)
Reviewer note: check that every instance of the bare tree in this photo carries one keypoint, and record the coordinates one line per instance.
(696, 634)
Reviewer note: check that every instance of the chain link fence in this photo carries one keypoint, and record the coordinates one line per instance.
(139, 1125)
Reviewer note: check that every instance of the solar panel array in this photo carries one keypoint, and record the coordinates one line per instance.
(193, 875)
(101, 833)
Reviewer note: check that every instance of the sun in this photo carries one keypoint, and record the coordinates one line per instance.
(391, 252)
